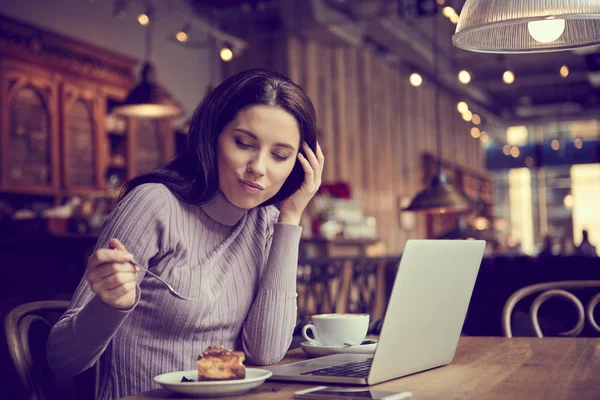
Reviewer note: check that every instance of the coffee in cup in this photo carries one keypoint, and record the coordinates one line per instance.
(337, 329)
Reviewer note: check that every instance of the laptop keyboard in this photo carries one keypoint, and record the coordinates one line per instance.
(356, 369)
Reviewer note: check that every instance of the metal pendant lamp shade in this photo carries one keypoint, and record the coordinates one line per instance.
(532, 26)
(148, 99)
(440, 197)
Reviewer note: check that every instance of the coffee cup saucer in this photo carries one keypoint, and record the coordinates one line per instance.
(316, 350)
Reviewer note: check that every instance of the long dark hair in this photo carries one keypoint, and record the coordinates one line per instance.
(192, 176)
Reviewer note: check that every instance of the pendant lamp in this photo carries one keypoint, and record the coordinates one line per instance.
(532, 26)
(148, 99)
(440, 196)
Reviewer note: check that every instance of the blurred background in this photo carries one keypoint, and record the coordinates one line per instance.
(516, 138)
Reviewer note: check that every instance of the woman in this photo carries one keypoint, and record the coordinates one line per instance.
(207, 225)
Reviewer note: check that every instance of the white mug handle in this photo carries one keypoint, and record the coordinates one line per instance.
(312, 328)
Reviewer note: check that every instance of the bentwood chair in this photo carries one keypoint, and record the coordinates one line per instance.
(27, 327)
(554, 290)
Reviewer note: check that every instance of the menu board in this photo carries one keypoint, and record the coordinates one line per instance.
(80, 131)
(148, 146)
(29, 139)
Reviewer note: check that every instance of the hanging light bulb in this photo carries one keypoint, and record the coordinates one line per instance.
(514, 26)
(476, 119)
(462, 107)
(226, 54)
(508, 77)
(415, 79)
(564, 71)
(547, 30)
(467, 116)
(464, 77)
(475, 132)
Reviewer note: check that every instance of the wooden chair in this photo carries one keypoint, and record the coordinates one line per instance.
(550, 290)
(27, 327)
(343, 284)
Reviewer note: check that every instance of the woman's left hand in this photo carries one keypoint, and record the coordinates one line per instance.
(291, 208)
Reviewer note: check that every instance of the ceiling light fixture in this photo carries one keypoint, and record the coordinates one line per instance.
(148, 99)
(510, 26)
(440, 196)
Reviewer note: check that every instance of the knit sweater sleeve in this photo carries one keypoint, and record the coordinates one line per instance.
(83, 332)
(267, 332)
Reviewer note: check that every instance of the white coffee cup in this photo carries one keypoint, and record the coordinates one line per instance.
(337, 329)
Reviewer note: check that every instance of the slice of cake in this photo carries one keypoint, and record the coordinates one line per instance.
(217, 363)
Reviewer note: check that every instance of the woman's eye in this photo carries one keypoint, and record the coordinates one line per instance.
(280, 157)
(242, 145)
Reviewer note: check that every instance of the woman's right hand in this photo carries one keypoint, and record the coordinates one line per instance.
(112, 276)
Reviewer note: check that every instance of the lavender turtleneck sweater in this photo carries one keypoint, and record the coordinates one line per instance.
(241, 263)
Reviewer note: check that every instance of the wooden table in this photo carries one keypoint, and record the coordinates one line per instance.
(484, 368)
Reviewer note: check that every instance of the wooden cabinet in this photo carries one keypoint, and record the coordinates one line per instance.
(58, 134)
(29, 156)
(82, 142)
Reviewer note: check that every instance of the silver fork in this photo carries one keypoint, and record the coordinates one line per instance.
(164, 282)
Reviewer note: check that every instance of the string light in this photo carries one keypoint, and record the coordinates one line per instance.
(506, 149)
(415, 79)
(226, 54)
(485, 138)
(528, 162)
(578, 143)
(464, 77)
(143, 19)
(475, 132)
(508, 77)
(564, 71)
(467, 116)
(462, 107)
(448, 11)
(182, 35)
(555, 145)
(515, 152)
(568, 201)
(476, 119)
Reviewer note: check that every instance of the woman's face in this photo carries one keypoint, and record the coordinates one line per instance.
(256, 153)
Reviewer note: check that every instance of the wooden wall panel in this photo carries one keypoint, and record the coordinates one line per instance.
(374, 128)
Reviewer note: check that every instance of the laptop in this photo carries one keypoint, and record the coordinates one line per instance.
(423, 320)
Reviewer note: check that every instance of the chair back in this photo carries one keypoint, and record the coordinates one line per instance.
(344, 285)
(552, 290)
(27, 327)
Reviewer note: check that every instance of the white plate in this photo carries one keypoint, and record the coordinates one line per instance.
(314, 350)
(172, 381)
